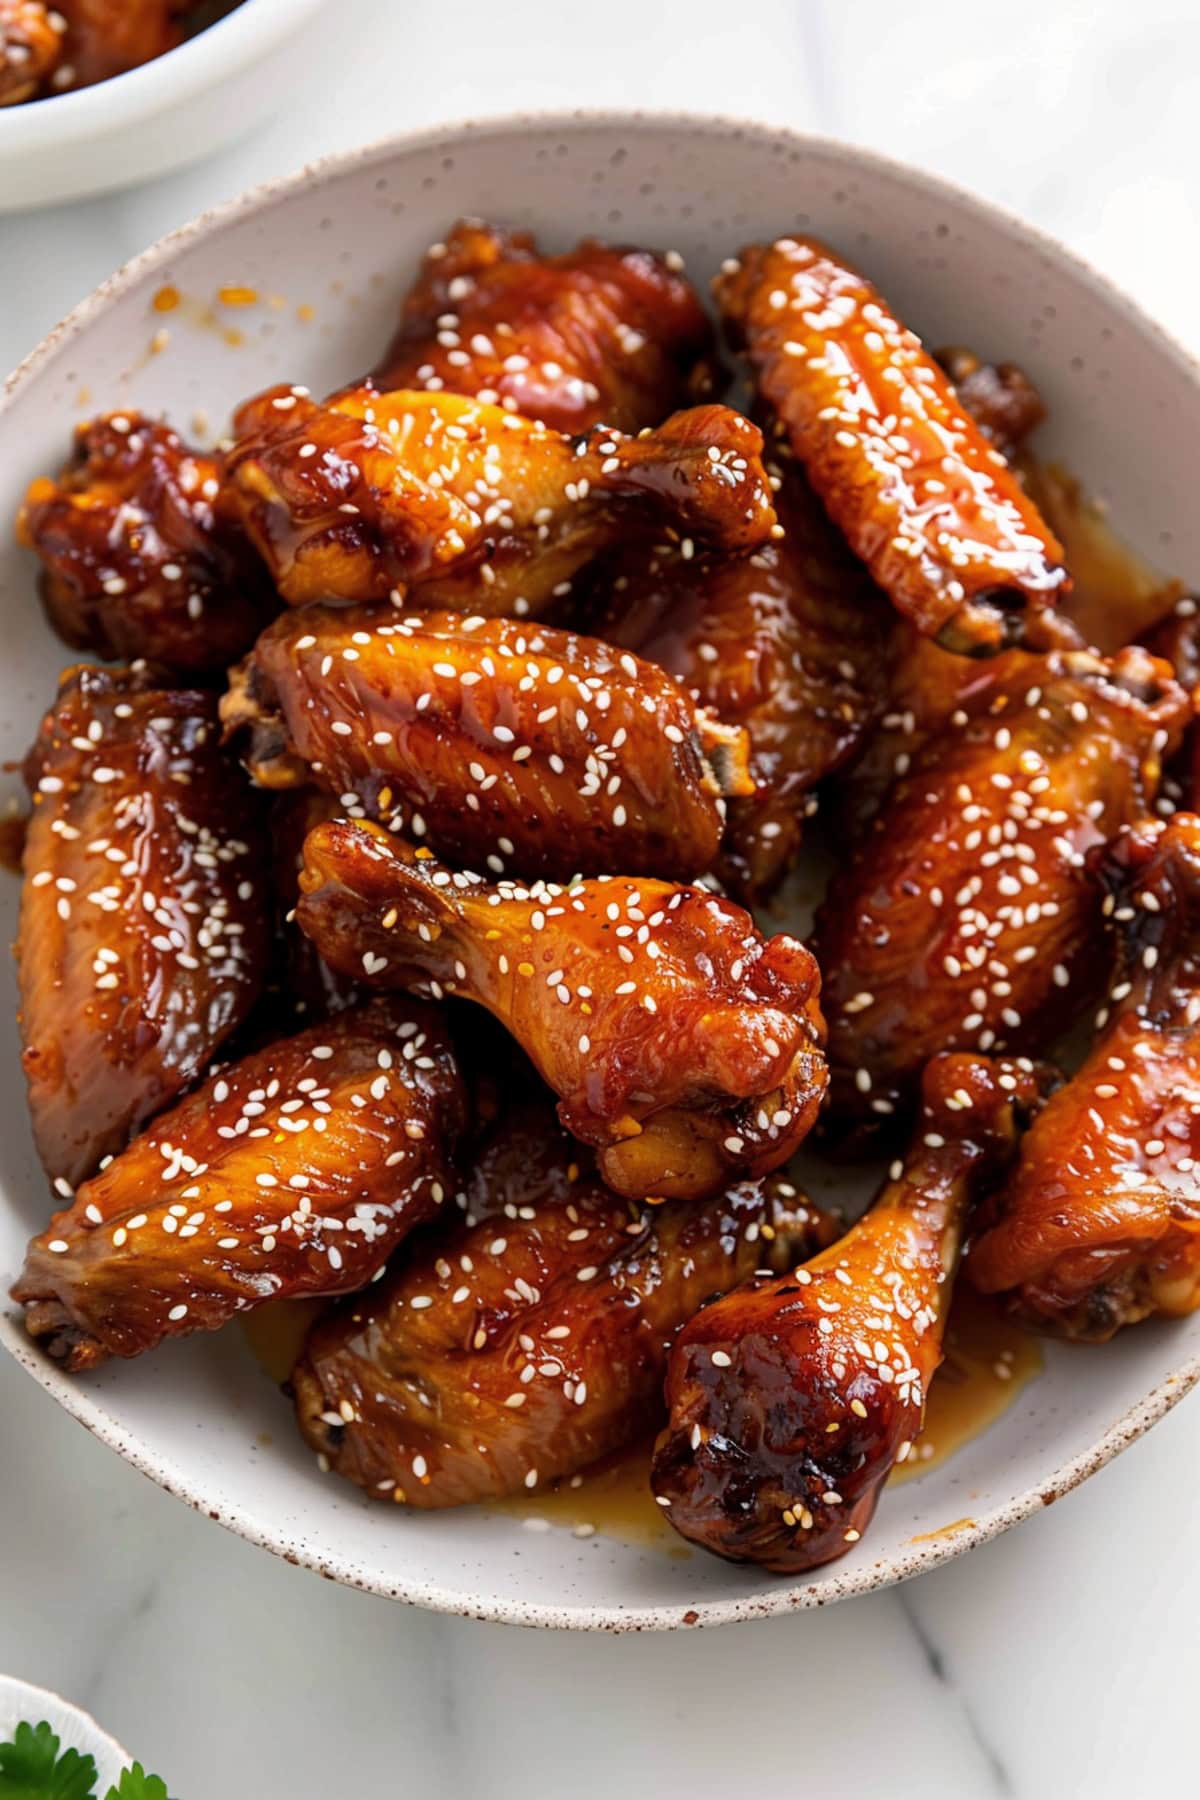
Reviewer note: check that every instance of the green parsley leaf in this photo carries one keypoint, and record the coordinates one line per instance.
(32, 1769)
(135, 1784)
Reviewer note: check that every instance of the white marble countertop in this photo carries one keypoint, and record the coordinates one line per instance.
(1062, 1660)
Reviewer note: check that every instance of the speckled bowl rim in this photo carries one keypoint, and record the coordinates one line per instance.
(44, 1703)
(787, 1596)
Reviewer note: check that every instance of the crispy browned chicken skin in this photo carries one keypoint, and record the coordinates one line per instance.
(785, 642)
(522, 1347)
(31, 47)
(793, 1398)
(137, 559)
(681, 1045)
(494, 741)
(600, 335)
(965, 919)
(293, 1172)
(920, 493)
(465, 506)
(144, 911)
(1099, 1225)
(109, 37)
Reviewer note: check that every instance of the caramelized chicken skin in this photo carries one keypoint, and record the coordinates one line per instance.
(921, 494)
(523, 1346)
(599, 335)
(784, 642)
(492, 740)
(681, 1045)
(1099, 1225)
(294, 1172)
(462, 505)
(999, 397)
(310, 987)
(143, 927)
(965, 920)
(137, 559)
(31, 47)
(109, 37)
(794, 1397)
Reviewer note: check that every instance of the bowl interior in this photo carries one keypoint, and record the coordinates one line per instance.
(327, 257)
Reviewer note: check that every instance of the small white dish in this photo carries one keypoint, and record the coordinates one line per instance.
(21, 1702)
(213, 88)
(327, 255)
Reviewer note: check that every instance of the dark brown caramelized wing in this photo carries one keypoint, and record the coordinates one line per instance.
(310, 987)
(681, 1045)
(144, 910)
(294, 1172)
(921, 494)
(498, 743)
(462, 505)
(137, 560)
(521, 1348)
(999, 397)
(785, 642)
(1099, 1225)
(600, 335)
(31, 47)
(965, 919)
(794, 1397)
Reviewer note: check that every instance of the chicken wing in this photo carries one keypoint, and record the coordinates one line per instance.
(1099, 1225)
(999, 397)
(108, 37)
(784, 643)
(144, 920)
(1177, 640)
(920, 493)
(522, 1347)
(965, 920)
(599, 335)
(528, 749)
(31, 47)
(137, 560)
(681, 1045)
(793, 1398)
(294, 1172)
(310, 987)
(465, 506)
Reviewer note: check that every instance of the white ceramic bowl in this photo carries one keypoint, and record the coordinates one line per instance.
(342, 239)
(21, 1702)
(206, 93)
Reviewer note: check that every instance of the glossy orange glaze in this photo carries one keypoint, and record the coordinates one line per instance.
(291, 1173)
(600, 335)
(137, 557)
(31, 48)
(1099, 1225)
(921, 495)
(682, 1045)
(519, 1348)
(144, 913)
(785, 642)
(793, 1398)
(965, 919)
(508, 746)
(466, 506)
(48, 49)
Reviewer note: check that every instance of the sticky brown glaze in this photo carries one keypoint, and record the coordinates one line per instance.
(109, 37)
(517, 1350)
(1099, 1225)
(465, 506)
(682, 1046)
(793, 1398)
(922, 496)
(31, 46)
(494, 741)
(965, 919)
(999, 397)
(294, 1172)
(137, 561)
(785, 643)
(144, 913)
(600, 335)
